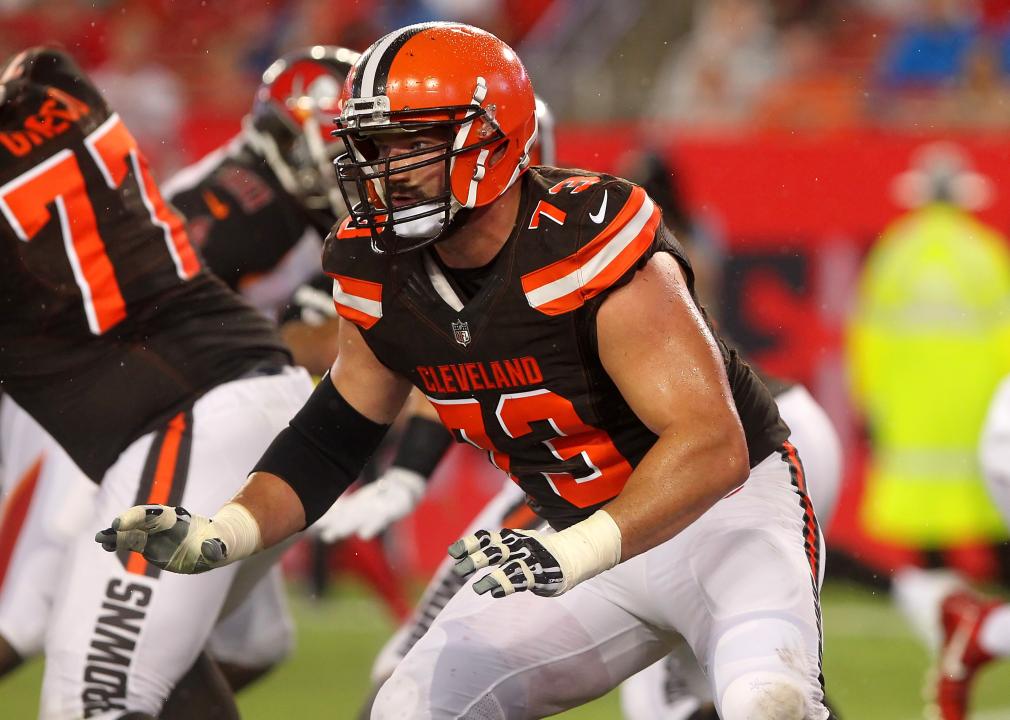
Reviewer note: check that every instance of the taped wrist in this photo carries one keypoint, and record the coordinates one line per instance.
(238, 530)
(585, 549)
(422, 446)
(323, 449)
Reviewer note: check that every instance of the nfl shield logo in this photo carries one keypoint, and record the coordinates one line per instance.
(462, 332)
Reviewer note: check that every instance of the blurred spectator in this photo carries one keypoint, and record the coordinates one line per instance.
(715, 78)
(930, 48)
(148, 96)
(353, 25)
(981, 97)
(813, 92)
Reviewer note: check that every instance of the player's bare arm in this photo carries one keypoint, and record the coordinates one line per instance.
(656, 346)
(370, 388)
(355, 402)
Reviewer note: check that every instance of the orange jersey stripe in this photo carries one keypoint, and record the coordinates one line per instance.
(359, 301)
(521, 518)
(566, 284)
(811, 533)
(15, 512)
(164, 475)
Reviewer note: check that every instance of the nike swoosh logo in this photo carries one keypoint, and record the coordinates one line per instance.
(597, 217)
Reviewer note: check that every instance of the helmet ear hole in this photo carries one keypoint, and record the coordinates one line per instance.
(498, 153)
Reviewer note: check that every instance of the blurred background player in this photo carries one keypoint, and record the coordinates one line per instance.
(931, 313)
(259, 207)
(931, 298)
(140, 365)
(976, 629)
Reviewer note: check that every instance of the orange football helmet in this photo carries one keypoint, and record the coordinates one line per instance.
(434, 75)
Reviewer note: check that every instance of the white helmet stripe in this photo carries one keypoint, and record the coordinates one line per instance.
(375, 59)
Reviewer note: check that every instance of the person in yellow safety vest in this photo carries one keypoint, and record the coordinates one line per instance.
(927, 345)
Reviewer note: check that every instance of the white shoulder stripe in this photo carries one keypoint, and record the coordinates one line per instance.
(374, 60)
(584, 274)
(372, 308)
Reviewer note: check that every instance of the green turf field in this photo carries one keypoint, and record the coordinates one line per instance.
(873, 665)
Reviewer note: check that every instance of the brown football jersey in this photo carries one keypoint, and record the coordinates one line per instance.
(108, 323)
(514, 368)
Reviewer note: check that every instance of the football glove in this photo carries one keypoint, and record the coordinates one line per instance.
(523, 560)
(544, 563)
(372, 508)
(173, 539)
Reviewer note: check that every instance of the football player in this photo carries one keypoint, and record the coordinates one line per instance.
(259, 207)
(548, 316)
(976, 629)
(239, 204)
(140, 364)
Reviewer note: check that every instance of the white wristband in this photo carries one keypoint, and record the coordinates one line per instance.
(586, 548)
(238, 530)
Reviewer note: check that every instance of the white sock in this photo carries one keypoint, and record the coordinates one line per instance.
(995, 634)
(918, 594)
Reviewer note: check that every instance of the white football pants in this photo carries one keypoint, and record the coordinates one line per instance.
(120, 633)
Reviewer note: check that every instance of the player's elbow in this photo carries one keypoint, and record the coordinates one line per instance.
(733, 458)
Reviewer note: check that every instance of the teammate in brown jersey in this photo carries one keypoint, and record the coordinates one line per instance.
(141, 365)
(550, 318)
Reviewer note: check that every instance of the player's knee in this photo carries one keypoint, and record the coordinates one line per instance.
(764, 696)
(398, 698)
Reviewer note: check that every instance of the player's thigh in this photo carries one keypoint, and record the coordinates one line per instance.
(752, 610)
(123, 631)
(820, 448)
(46, 499)
(518, 657)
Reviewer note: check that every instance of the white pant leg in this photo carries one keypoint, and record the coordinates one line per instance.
(994, 449)
(654, 692)
(442, 586)
(820, 448)
(738, 584)
(749, 605)
(47, 499)
(522, 656)
(123, 633)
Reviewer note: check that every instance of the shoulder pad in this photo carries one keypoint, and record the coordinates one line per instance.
(615, 223)
(357, 274)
